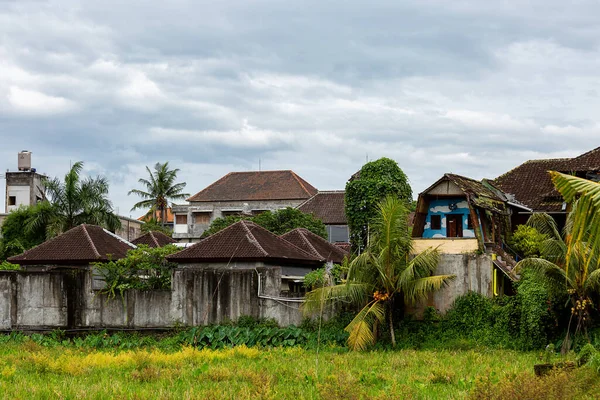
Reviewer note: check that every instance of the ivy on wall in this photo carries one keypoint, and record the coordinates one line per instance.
(364, 191)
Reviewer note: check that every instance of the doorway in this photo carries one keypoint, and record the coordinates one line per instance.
(454, 225)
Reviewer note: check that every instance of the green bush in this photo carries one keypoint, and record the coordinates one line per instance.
(526, 241)
(6, 266)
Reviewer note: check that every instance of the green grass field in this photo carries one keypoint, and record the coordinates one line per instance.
(28, 370)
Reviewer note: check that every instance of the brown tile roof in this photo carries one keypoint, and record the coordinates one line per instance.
(256, 185)
(589, 161)
(154, 239)
(245, 241)
(328, 206)
(530, 183)
(157, 216)
(78, 246)
(315, 245)
(344, 246)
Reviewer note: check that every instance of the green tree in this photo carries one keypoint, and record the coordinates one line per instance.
(567, 266)
(385, 271)
(277, 222)
(152, 225)
(160, 189)
(74, 202)
(15, 239)
(364, 191)
(527, 241)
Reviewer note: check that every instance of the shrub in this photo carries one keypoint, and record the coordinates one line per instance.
(526, 241)
(6, 266)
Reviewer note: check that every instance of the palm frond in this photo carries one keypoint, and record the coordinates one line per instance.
(592, 283)
(552, 275)
(361, 327)
(419, 289)
(353, 293)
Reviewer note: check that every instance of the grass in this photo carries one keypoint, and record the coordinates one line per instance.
(30, 370)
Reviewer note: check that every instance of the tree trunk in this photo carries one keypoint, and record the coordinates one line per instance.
(162, 216)
(392, 334)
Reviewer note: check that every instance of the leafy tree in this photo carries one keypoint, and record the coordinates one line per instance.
(526, 241)
(364, 191)
(15, 239)
(152, 225)
(74, 202)
(384, 272)
(567, 266)
(278, 222)
(160, 189)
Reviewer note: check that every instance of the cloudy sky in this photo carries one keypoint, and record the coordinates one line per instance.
(470, 87)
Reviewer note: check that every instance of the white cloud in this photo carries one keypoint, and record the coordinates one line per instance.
(32, 102)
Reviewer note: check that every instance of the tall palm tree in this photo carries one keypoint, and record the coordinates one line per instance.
(160, 189)
(385, 271)
(566, 266)
(74, 202)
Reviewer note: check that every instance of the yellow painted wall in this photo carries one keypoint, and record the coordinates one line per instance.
(446, 245)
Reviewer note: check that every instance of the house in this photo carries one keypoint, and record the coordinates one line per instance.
(24, 187)
(77, 247)
(247, 193)
(153, 239)
(530, 183)
(328, 206)
(130, 228)
(467, 221)
(315, 245)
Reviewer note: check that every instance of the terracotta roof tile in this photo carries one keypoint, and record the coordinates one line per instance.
(589, 161)
(245, 241)
(154, 239)
(256, 185)
(531, 185)
(78, 246)
(328, 206)
(315, 245)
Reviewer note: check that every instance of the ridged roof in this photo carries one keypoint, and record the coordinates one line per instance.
(315, 245)
(256, 185)
(153, 239)
(78, 246)
(245, 241)
(328, 206)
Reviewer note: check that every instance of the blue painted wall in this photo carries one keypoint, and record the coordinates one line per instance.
(441, 208)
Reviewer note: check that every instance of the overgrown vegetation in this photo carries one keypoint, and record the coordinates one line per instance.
(144, 268)
(152, 225)
(15, 239)
(6, 266)
(322, 277)
(527, 241)
(277, 222)
(375, 180)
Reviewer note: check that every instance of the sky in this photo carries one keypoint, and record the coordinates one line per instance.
(318, 87)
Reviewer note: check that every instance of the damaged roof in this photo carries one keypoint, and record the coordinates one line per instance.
(328, 206)
(81, 245)
(245, 241)
(315, 245)
(154, 239)
(256, 185)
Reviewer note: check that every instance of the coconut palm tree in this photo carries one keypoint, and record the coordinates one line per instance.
(160, 189)
(74, 202)
(569, 263)
(385, 271)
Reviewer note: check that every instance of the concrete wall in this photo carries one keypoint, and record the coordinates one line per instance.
(200, 295)
(473, 274)
(26, 186)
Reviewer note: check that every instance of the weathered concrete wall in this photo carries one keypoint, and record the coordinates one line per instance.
(199, 296)
(473, 274)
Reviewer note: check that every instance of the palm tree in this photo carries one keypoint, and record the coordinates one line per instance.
(385, 271)
(570, 263)
(74, 202)
(160, 189)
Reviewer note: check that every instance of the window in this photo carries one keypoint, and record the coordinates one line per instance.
(338, 233)
(469, 222)
(181, 219)
(12, 200)
(436, 222)
(202, 218)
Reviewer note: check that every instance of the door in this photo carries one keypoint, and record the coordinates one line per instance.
(454, 226)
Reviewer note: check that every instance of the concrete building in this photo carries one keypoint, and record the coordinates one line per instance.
(131, 228)
(247, 193)
(25, 186)
(329, 207)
